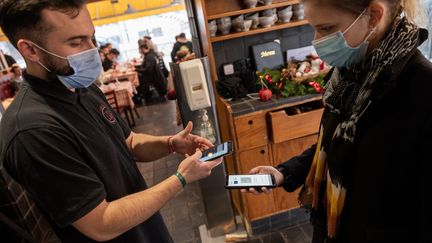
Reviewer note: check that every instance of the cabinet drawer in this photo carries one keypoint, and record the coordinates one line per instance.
(286, 126)
(255, 207)
(251, 131)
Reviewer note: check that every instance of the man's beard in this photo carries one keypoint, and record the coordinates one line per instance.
(57, 66)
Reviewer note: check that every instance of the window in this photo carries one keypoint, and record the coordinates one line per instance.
(426, 48)
(143, 33)
(157, 32)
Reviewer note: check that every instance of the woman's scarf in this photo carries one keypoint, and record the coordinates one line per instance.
(348, 97)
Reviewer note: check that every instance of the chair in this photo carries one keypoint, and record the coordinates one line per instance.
(125, 79)
(120, 107)
(20, 219)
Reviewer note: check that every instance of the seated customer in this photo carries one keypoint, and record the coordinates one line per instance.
(150, 74)
(111, 60)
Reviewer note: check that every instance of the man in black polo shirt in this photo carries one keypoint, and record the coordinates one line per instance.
(63, 143)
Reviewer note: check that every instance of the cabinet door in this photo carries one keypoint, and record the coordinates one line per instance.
(255, 207)
(282, 152)
(251, 131)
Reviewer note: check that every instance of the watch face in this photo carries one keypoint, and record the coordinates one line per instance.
(284, 172)
(281, 169)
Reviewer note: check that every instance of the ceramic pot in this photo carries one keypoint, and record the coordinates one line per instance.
(250, 3)
(268, 12)
(266, 21)
(285, 17)
(266, 2)
(239, 18)
(255, 19)
(247, 25)
(298, 7)
(212, 28)
(224, 21)
(299, 14)
(285, 10)
(224, 28)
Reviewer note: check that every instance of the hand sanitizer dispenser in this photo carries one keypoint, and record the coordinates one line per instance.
(195, 84)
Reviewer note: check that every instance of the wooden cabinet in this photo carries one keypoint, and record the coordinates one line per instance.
(265, 136)
(268, 137)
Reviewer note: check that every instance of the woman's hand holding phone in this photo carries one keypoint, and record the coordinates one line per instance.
(265, 170)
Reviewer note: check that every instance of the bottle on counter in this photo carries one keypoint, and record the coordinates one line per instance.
(206, 130)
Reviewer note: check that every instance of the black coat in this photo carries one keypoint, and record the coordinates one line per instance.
(149, 73)
(388, 197)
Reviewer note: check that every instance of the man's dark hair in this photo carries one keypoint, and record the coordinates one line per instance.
(23, 19)
(182, 35)
(147, 37)
(114, 51)
(14, 87)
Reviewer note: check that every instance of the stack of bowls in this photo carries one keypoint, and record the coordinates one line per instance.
(285, 14)
(212, 28)
(237, 23)
(255, 19)
(240, 24)
(250, 3)
(266, 21)
(224, 25)
(298, 10)
(247, 24)
(266, 2)
(268, 16)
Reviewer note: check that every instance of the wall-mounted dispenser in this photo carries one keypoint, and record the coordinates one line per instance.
(195, 84)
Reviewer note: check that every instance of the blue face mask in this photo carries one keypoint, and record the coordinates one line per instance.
(335, 50)
(87, 67)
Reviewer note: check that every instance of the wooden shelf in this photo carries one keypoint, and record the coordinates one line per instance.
(252, 10)
(259, 30)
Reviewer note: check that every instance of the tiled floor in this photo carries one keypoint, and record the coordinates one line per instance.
(185, 213)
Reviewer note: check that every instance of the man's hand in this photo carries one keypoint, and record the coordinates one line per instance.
(193, 169)
(186, 143)
(265, 170)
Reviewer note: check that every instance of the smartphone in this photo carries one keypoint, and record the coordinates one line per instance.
(217, 151)
(256, 181)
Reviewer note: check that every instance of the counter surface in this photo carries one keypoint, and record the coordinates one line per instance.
(248, 105)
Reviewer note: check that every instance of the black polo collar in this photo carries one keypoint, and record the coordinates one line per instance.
(54, 89)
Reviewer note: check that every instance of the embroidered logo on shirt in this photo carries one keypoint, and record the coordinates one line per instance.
(107, 113)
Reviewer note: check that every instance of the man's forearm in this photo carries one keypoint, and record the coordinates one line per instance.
(116, 217)
(147, 148)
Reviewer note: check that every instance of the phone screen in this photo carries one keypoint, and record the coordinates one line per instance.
(246, 181)
(215, 152)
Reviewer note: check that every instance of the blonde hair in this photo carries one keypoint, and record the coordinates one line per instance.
(414, 12)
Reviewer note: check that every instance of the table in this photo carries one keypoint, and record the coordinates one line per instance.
(124, 92)
(130, 75)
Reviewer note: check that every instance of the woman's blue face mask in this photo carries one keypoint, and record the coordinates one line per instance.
(334, 48)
